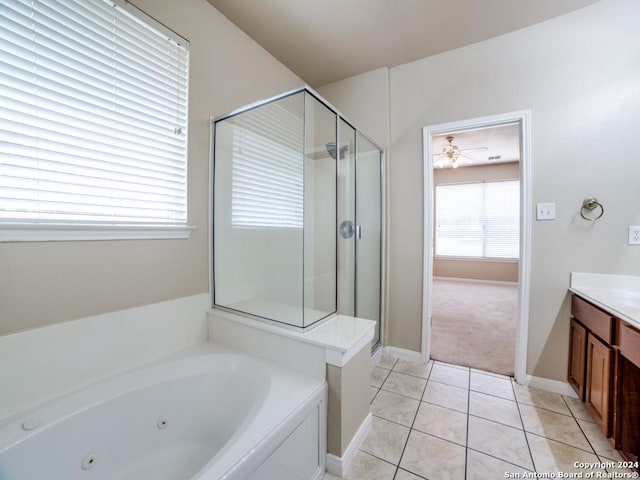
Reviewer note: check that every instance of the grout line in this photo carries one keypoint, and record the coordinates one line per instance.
(466, 441)
(492, 395)
(526, 439)
(497, 458)
(496, 421)
(580, 427)
(413, 423)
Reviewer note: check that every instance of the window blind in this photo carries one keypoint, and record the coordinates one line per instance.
(93, 115)
(479, 220)
(267, 188)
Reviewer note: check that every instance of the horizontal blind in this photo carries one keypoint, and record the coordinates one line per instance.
(267, 173)
(93, 115)
(478, 220)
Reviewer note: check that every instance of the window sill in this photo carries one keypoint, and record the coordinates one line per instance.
(477, 259)
(41, 232)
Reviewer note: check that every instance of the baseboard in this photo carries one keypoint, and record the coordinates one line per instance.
(339, 465)
(476, 280)
(555, 386)
(403, 353)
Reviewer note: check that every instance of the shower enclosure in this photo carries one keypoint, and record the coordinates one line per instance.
(297, 213)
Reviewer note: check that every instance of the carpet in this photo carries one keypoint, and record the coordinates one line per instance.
(474, 324)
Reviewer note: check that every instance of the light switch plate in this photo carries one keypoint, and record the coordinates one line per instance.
(634, 234)
(545, 211)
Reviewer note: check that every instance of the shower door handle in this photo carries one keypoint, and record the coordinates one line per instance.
(347, 229)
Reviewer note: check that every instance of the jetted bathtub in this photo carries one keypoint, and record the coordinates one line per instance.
(206, 413)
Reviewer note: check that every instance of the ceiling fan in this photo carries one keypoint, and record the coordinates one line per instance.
(451, 155)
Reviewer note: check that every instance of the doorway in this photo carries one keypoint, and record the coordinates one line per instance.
(471, 251)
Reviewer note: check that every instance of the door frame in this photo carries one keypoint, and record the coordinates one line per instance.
(523, 118)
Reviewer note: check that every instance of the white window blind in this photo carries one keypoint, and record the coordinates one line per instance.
(478, 220)
(267, 174)
(93, 115)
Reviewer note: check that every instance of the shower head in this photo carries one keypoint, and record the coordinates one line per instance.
(332, 149)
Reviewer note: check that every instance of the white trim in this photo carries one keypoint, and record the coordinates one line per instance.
(523, 117)
(340, 465)
(555, 386)
(44, 232)
(404, 354)
(475, 280)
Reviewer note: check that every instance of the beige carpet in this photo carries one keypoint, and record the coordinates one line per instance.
(474, 324)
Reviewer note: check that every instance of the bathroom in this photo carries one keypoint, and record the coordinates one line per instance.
(583, 138)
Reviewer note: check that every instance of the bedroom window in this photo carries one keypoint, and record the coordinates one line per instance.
(93, 107)
(478, 220)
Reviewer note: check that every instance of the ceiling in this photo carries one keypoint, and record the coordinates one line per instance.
(323, 41)
(477, 146)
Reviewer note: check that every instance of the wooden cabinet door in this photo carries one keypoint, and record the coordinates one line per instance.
(577, 357)
(598, 382)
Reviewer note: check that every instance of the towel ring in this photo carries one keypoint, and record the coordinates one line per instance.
(589, 205)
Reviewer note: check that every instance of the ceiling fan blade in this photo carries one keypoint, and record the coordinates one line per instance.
(474, 148)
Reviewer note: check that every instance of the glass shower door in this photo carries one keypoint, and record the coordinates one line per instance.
(360, 226)
(368, 204)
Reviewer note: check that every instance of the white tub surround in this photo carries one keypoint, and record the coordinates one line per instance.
(47, 362)
(207, 413)
(617, 294)
(337, 340)
(338, 350)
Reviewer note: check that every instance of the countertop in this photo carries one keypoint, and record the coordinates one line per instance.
(617, 294)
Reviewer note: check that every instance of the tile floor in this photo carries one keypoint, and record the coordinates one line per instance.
(446, 422)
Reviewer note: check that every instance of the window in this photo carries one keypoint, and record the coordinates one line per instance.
(267, 184)
(478, 220)
(93, 113)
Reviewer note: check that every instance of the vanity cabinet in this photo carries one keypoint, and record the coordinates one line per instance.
(627, 395)
(604, 370)
(591, 360)
(577, 357)
(598, 384)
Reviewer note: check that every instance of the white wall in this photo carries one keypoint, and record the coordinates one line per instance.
(45, 283)
(363, 100)
(580, 76)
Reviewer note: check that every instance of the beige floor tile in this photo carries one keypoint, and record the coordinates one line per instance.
(451, 375)
(413, 368)
(404, 475)
(484, 467)
(598, 441)
(552, 456)
(577, 408)
(442, 422)
(378, 376)
(492, 374)
(394, 407)
(554, 426)
(540, 398)
(500, 441)
(446, 396)
(385, 440)
(452, 365)
(492, 385)
(433, 458)
(367, 467)
(493, 408)
(405, 385)
(374, 392)
(387, 361)
(624, 472)
(328, 476)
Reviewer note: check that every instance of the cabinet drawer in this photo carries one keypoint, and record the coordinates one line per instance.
(630, 343)
(599, 322)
